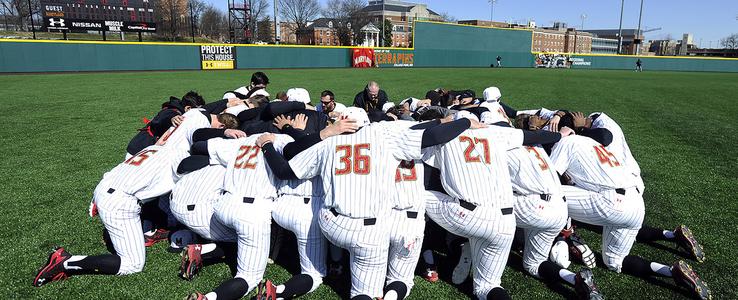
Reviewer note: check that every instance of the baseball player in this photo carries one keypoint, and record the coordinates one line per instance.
(605, 194)
(480, 207)
(257, 86)
(357, 219)
(118, 197)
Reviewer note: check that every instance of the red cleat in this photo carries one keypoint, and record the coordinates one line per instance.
(158, 236)
(54, 268)
(191, 261)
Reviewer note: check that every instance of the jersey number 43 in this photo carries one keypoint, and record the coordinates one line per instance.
(352, 160)
(606, 157)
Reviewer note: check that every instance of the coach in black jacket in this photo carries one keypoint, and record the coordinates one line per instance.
(371, 97)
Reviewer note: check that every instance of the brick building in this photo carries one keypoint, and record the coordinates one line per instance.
(561, 40)
(401, 14)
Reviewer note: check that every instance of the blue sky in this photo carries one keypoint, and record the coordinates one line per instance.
(708, 20)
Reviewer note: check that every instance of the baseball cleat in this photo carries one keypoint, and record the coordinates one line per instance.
(158, 236)
(191, 261)
(92, 210)
(581, 251)
(196, 296)
(430, 275)
(266, 290)
(685, 276)
(585, 286)
(463, 267)
(53, 270)
(685, 239)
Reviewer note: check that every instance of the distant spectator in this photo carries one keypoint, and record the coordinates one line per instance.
(328, 105)
(371, 97)
(259, 82)
(639, 65)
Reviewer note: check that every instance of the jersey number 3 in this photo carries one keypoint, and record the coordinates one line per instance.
(352, 160)
(468, 153)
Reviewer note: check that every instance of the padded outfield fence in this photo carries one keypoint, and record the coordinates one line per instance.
(435, 45)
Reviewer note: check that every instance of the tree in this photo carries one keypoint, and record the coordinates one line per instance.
(348, 16)
(730, 42)
(264, 29)
(387, 34)
(447, 17)
(213, 23)
(299, 12)
(259, 10)
(16, 11)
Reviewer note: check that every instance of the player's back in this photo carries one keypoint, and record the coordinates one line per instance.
(589, 164)
(619, 145)
(180, 137)
(532, 172)
(409, 181)
(205, 183)
(149, 173)
(474, 165)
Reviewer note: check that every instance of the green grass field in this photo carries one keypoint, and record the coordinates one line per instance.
(61, 132)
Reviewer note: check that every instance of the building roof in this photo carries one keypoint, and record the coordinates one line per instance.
(395, 8)
(630, 32)
(323, 23)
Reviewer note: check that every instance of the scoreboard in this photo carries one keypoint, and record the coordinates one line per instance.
(101, 15)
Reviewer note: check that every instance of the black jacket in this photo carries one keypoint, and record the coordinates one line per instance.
(362, 100)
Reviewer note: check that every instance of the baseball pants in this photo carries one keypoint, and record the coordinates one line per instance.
(121, 215)
(299, 215)
(490, 231)
(541, 221)
(620, 213)
(197, 215)
(367, 243)
(406, 242)
(251, 219)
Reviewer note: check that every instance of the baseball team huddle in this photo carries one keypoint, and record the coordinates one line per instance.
(380, 182)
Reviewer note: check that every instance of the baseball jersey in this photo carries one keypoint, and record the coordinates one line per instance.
(589, 164)
(148, 174)
(205, 184)
(180, 137)
(495, 114)
(618, 145)
(409, 180)
(474, 165)
(246, 171)
(356, 168)
(532, 172)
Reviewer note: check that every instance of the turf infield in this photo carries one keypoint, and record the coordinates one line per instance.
(61, 132)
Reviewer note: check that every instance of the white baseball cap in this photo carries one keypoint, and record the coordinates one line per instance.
(357, 114)
(387, 106)
(299, 95)
(463, 114)
(492, 94)
(413, 103)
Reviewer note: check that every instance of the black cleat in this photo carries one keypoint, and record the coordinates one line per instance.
(53, 270)
(685, 276)
(685, 239)
(585, 286)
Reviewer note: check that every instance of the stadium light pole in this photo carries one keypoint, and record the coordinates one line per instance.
(620, 29)
(492, 9)
(638, 32)
(33, 27)
(584, 17)
(276, 26)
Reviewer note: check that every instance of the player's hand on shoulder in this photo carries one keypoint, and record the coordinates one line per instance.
(579, 119)
(300, 121)
(177, 120)
(553, 124)
(265, 139)
(234, 133)
(339, 127)
(476, 124)
(280, 121)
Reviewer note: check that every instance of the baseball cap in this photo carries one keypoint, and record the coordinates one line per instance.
(413, 103)
(299, 95)
(357, 114)
(387, 106)
(467, 94)
(492, 94)
(181, 238)
(462, 114)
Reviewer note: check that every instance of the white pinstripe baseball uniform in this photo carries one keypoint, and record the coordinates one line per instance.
(296, 209)
(619, 146)
(193, 200)
(246, 204)
(355, 169)
(539, 204)
(603, 194)
(408, 223)
(180, 137)
(118, 196)
(480, 202)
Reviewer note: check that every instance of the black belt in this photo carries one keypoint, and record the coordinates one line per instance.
(367, 222)
(620, 191)
(248, 200)
(471, 207)
(306, 200)
(412, 214)
(546, 197)
(111, 190)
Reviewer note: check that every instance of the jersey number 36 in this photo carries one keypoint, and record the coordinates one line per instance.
(352, 160)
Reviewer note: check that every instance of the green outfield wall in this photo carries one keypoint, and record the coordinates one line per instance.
(435, 45)
(445, 45)
(659, 63)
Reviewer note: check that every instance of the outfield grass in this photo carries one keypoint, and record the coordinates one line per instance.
(61, 132)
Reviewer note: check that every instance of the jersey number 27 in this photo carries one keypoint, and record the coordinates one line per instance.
(469, 156)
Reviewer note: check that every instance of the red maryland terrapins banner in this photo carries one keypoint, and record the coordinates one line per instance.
(363, 58)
